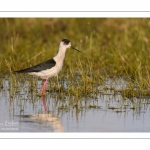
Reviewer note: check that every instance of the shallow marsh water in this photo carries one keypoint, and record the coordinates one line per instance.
(22, 110)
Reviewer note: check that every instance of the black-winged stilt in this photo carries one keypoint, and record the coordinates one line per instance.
(50, 67)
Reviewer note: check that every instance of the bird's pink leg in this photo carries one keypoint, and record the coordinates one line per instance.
(44, 87)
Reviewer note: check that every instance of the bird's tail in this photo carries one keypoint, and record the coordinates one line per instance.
(21, 71)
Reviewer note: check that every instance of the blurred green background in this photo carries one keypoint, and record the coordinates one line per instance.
(116, 45)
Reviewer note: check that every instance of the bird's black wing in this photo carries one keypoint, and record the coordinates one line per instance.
(42, 66)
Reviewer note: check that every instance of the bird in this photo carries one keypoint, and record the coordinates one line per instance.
(51, 67)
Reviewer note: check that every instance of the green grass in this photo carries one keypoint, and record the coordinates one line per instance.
(111, 47)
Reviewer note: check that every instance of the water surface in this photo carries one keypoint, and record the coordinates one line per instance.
(25, 111)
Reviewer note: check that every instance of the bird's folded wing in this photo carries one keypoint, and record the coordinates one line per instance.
(42, 66)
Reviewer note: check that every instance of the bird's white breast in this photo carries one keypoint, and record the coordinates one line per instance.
(59, 59)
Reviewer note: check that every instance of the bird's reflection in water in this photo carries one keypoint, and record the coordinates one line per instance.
(51, 119)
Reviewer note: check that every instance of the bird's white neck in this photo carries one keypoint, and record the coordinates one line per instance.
(61, 54)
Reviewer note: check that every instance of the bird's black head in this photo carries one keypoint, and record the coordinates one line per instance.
(65, 41)
(67, 44)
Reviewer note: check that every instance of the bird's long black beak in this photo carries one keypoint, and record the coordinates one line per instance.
(76, 49)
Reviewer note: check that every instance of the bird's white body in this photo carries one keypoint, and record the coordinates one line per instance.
(46, 73)
(59, 59)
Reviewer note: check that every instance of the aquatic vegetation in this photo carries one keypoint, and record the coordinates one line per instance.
(111, 48)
